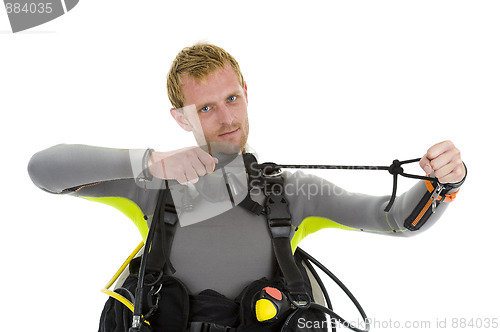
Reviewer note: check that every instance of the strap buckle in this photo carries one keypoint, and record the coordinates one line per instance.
(266, 176)
(300, 300)
(271, 170)
(278, 216)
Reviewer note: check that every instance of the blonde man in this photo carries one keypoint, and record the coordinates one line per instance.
(226, 252)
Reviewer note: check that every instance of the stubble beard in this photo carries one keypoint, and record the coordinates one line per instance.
(229, 146)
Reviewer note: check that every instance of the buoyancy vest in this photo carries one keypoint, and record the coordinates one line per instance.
(283, 303)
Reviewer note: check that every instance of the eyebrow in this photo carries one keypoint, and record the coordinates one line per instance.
(236, 93)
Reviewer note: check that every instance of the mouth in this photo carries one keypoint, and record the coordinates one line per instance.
(229, 134)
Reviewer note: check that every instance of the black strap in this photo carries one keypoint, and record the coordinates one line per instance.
(157, 248)
(249, 204)
(136, 319)
(253, 172)
(159, 255)
(280, 226)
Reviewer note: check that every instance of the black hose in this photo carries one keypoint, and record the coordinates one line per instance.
(328, 310)
(318, 280)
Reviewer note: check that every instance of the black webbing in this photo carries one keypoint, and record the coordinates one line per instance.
(142, 270)
(156, 257)
(280, 226)
(249, 204)
(291, 273)
(159, 255)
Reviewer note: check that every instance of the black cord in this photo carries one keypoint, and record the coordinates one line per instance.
(329, 311)
(395, 169)
(318, 280)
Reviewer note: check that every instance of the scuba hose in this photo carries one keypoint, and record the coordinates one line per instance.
(124, 265)
(122, 268)
(329, 310)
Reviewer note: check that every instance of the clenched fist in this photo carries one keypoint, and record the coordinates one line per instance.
(445, 161)
(184, 165)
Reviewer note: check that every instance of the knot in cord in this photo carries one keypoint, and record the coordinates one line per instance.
(395, 167)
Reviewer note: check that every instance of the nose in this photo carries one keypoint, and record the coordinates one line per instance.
(225, 114)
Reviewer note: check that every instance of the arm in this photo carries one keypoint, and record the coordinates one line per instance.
(63, 167)
(332, 206)
(125, 179)
(98, 174)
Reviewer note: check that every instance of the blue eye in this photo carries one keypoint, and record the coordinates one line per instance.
(205, 109)
(232, 98)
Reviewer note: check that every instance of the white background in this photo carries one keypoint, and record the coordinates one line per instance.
(351, 82)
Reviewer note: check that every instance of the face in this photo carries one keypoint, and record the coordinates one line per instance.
(215, 109)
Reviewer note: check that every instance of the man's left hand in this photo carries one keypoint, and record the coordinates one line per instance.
(445, 161)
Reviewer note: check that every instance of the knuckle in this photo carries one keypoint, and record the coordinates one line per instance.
(178, 170)
(448, 145)
(459, 170)
(432, 153)
(429, 152)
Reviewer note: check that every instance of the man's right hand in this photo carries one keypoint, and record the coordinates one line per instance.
(184, 165)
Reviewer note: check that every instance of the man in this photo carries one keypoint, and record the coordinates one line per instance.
(228, 251)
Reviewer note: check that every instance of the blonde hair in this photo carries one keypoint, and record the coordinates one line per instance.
(197, 61)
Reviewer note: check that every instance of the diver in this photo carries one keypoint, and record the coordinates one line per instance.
(208, 281)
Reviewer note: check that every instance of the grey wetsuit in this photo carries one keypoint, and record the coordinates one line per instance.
(226, 252)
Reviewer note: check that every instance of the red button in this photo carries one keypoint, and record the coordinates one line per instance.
(274, 293)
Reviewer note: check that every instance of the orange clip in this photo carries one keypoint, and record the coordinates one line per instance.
(448, 198)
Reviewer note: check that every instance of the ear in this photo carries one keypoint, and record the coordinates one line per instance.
(245, 90)
(181, 119)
